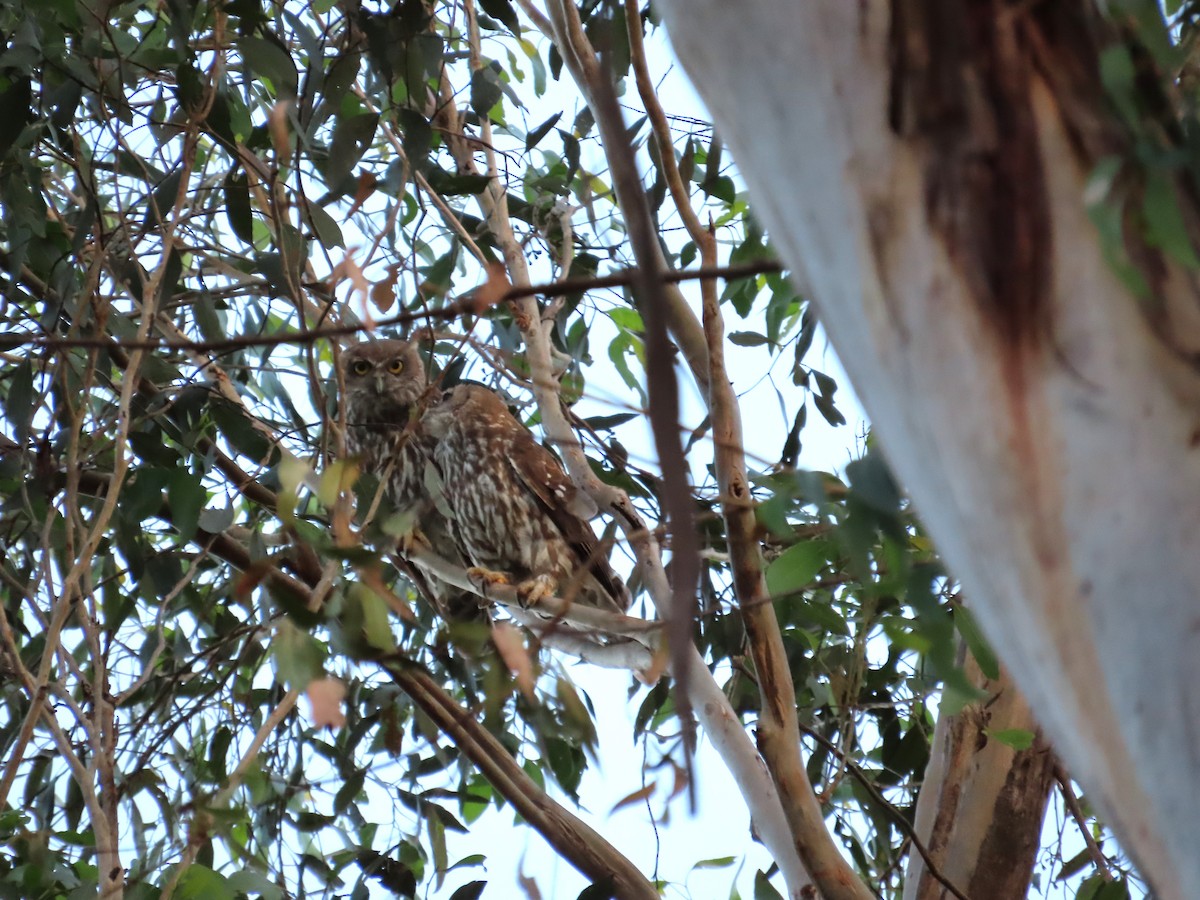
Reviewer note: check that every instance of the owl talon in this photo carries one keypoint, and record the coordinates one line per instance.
(485, 578)
(413, 541)
(535, 590)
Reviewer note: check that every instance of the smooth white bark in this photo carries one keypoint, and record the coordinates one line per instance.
(1063, 490)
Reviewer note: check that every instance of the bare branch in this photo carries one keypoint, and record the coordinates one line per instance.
(1103, 866)
(778, 725)
(467, 305)
(569, 835)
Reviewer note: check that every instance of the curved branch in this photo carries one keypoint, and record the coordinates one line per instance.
(566, 833)
(580, 60)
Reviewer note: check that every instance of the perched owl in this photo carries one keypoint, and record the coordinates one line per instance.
(514, 510)
(385, 386)
(385, 394)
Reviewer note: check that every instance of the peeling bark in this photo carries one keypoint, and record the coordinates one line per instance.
(1044, 418)
(959, 94)
(982, 804)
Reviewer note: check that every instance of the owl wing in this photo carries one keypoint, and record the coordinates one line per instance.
(567, 507)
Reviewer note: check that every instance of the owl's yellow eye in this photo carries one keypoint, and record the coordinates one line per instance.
(396, 366)
(360, 367)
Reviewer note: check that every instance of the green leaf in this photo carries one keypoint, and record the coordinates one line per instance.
(452, 185)
(486, 90)
(721, 187)
(238, 429)
(352, 136)
(503, 11)
(216, 520)
(1165, 226)
(601, 423)
(627, 319)
(18, 402)
(376, 624)
(341, 74)
(763, 889)
(271, 61)
(532, 139)
(968, 627)
(186, 496)
(416, 137)
(237, 206)
(350, 791)
(143, 495)
(720, 862)
(328, 232)
(1017, 738)
(204, 312)
(871, 481)
(600, 890)
(299, 657)
(748, 339)
(249, 881)
(202, 883)
(796, 568)
(162, 200)
(470, 891)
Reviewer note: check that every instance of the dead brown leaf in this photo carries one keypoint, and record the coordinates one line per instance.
(637, 796)
(364, 188)
(383, 293)
(277, 125)
(511, 647)
(247, 581)
(493, 290)
(326, 696)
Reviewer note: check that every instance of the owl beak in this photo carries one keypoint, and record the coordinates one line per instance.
(379, 389)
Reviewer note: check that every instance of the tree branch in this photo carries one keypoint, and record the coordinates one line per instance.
(660, 370)
(569, 835)
(466, 305)
(778, 727)
(580, 59)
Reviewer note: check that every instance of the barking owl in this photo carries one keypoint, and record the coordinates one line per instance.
(515, 512)
(386, 392)
(385, 384)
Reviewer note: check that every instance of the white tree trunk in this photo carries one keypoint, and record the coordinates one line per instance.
(1047, 427)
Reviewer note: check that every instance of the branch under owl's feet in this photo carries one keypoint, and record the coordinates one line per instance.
(595, 635)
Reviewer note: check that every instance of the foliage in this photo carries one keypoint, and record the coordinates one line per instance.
(200, 200)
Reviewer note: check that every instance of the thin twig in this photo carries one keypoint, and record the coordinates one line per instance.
(1072, 804)
(898, 818)
(465, 305)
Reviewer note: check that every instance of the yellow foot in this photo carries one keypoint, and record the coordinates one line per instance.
(485, 578)
(413, 542)
(536, 589)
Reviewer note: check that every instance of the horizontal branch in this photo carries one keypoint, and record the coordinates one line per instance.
(466, 304)
(611, 639)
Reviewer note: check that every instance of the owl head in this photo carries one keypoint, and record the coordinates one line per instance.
(382, 377)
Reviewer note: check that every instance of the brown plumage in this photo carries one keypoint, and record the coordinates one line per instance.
(385, 393)
(384, 387)
(513, 507)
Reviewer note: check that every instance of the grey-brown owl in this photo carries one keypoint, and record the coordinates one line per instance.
(385, 394)
(384, 388)
(514, 509)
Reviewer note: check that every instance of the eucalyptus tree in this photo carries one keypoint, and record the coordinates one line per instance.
(203, 202)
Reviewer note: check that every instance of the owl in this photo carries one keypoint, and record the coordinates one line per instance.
(385, 385)
(385, 393)
(516, 514)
